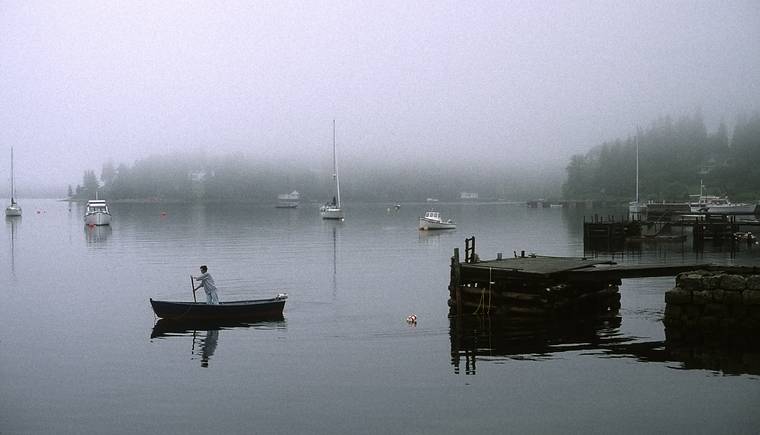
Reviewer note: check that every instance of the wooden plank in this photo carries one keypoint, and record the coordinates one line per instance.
(633, 271)
(536, 265)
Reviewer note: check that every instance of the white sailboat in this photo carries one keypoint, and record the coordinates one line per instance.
(333, 209)
(636, 206)
(13, 209)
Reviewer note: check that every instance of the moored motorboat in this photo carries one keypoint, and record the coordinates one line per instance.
(97, 213)
(288, 200)
(233, 310)
(720, 204)
(433, 221)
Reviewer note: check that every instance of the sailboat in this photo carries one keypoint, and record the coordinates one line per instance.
(636, 206)
(333, 209)
(13, 209)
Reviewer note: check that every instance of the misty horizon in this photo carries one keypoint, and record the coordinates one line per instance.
(510, 85)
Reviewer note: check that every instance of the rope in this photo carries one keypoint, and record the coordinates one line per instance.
(482, 301)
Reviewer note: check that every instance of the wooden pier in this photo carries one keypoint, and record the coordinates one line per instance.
(609, 233)
(539, 287)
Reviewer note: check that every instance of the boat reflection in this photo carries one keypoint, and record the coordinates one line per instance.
(205, 334)
(11, 222)
(97, 234)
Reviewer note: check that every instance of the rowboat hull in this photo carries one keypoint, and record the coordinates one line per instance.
(259, 309)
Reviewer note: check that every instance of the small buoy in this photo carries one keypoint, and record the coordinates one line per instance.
(412, 318)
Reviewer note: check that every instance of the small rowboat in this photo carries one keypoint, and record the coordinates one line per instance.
(234, 310)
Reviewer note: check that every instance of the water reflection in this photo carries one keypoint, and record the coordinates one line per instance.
(482, 337)
(11, 222)
(433, 238)
(717, 357)
(205, 334)
(97, 234)
(479, 338)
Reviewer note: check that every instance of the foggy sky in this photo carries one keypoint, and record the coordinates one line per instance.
(505, 82)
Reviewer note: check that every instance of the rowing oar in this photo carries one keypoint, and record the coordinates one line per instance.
(192, 286)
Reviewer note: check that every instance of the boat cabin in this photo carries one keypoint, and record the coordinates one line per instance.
(433, 215)
(97, 206)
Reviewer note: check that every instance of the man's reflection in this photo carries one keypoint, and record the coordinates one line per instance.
(207, 346)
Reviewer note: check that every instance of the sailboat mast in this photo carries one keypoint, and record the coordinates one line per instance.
(13, 187)
(636, 138)
(335, 167)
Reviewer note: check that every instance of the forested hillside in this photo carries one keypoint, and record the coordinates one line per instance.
(674, 156)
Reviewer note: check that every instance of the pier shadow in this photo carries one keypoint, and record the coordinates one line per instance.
(205, 334)
(476, 338)
(721, 358)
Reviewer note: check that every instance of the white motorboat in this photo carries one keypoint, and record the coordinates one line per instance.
(719, 204)
(433, 221)
(97, 213)
(13, 209)
(333, 209)
(288, 200)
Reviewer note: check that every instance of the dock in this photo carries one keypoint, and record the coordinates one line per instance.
(542, 286)
(610, 233)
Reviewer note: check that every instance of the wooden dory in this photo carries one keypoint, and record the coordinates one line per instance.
(234, 310)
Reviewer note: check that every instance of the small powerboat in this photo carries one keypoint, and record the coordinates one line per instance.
(433, 221)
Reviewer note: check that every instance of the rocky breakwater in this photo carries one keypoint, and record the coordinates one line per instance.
(716, 305)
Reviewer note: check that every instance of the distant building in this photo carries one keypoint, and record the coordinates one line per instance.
(197, 176)
(468, 196)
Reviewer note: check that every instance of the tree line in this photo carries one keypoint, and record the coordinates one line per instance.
(237, 177)
(675, 157)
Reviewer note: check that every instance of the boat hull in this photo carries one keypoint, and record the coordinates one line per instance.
(97, 219)
(636, 207)
(745, 209)
(12, 211)
(331, 213)
(258, 309)
(433, 225)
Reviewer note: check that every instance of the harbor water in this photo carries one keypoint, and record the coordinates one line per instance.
(80, 350)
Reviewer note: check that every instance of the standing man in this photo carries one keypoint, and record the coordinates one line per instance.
(207, 282)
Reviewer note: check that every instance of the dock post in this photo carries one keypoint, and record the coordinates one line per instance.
(455, 298)
(469, 250)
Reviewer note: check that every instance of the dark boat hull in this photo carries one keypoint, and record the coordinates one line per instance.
(259, 309)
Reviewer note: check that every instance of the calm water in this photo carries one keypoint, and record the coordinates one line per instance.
(76, 353)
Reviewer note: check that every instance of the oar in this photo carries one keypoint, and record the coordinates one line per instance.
(192, 286)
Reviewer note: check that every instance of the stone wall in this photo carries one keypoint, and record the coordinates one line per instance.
(721, 304)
